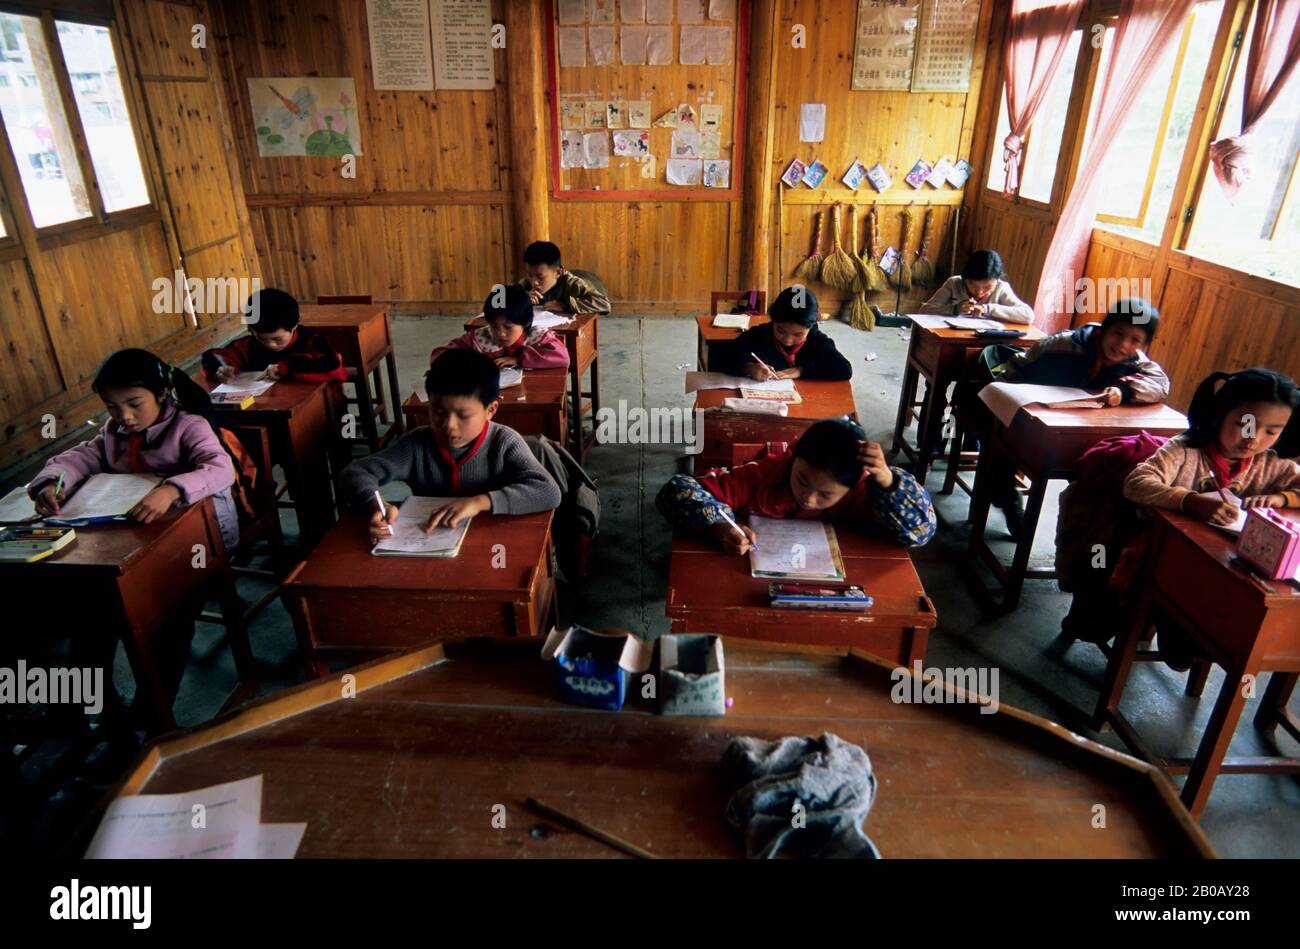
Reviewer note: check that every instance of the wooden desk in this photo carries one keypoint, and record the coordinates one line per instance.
(127, 580)
(411, 765)
(299, 419)
(535, 407)
(582, 339)
(723, 429)
(1045, 443)
(364, 338)
(346, 602)
(707, 335)
(939, 356)
(1246, 625)
(713, 592)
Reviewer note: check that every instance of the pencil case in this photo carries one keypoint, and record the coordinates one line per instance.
(1270, 543)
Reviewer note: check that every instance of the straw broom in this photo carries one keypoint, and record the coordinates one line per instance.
(902, 278)
(838, 269)
(810, 269)
(859, 265)
(861, 316)
(870, 260)
(922, 268)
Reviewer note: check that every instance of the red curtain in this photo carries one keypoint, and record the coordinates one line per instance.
(1270, 62)
(1145, 31)
(1037, 35)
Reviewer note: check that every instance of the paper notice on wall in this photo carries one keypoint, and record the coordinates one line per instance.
(722, 9)
(659, 11)
(690, 11)
(659, 46)
(710, 144)
(632, 11)
(573, 115)
(683, 172)
(631, 143)
(668, 120)
(945, 46)
(616, 114)
(600, 39)
(686, 144)
(462, 44)
(648, 167)
(602, 11)
(401, 54)
(632, 45)
(595, 147)
(573, 45)
(812, 121)
(597, 113)
(572, 12)
(717, 174)
(571, 152)
(693, 50)
(710, 117)
(886, 40)
(638, 114)
(717, 41)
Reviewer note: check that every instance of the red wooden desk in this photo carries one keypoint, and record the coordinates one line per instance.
(536, 406)
(410, 766)
(127, 580)
(363, 337)
(346, 602)
(582, 340)
(939, 356)
(722, 429)
(712, 592)
(299, 420)
(708, 334)
(1246, 625)
(1045, 443)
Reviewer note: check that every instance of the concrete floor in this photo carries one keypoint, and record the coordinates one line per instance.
(641, 362)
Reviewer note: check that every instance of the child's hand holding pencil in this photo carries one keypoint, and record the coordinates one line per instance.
(734, 539)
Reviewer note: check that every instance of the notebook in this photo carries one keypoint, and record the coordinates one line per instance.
(546, 320)
(508, 378)
(244, 383)
(732, 321)
(16, 507)
(1004, 399)
(794, 549)
(105, 497)
(1236, 526)
(720, 380)
(409, 538)
(973, 323)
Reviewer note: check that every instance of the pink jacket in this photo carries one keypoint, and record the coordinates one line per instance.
(180, 446)
(540, 349)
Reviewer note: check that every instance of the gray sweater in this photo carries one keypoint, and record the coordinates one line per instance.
(1002, 304)
(503, 469)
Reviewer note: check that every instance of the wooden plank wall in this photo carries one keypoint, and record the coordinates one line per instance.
(69, 303)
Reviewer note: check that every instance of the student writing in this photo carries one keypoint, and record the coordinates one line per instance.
(791, 346)
(980, 290)
(509, 338)
(276, 346)
(549, 285)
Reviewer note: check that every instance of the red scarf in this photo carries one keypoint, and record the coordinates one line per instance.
(789, 354)
(456, 464)
(1226, 470)
(135, 445)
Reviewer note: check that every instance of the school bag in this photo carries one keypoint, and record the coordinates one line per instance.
(577, 519)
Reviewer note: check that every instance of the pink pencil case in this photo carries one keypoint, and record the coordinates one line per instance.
(1270, 543)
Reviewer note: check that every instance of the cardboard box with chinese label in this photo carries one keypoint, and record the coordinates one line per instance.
(692, 676)
(593, 668)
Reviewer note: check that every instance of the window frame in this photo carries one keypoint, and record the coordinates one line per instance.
(99, 221)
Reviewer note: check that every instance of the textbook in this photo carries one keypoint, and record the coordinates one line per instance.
(104, 497)
(789, 396)
(794, 550)
(409, 538)
(733, 321)
(756, 406)
(16, 507)
(244, 384)
(29, 544)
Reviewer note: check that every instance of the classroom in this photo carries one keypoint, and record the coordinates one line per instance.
(566, 402)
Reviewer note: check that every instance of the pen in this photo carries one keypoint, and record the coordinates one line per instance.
(383, 511)
(726, 517)
(58, 487)
(770, 370)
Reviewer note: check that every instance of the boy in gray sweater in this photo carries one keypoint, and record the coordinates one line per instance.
(461, 454)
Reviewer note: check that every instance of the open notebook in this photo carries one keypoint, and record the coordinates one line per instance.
(794, 549)
(1004, 399)
(409, 538)
(513, 376)
(245, 383)
(1236, 526)
(105, 497)
(16, 507)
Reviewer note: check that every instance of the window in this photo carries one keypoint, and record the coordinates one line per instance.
(1258, 232)
(45, 138)
(1043, 141)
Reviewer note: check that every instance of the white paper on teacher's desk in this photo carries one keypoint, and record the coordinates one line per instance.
(720, 380)
(794, 548)
(161, 826)
(245, 383)
(409, 536)
(1004, 399)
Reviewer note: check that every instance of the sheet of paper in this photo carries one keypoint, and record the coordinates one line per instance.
(401, 56)
(571, 153)
(408, 530)
(690, 11)
(1004, 399)
(573, 115)
(710, 117)
(931, 321)
(737, 321)
(638, 114)
(546, 320)
(108, 495)
(797, 547)
(573, 45)
(812, 121)
(711, 145)
(632, 143)
(600, 39)
(686, 144)
(683, 171)
(974, 323)
(1239, 524)
(602, 11)
(659, 44)
(572, 11)
(632, 11)
(648, 167)
(659, 11)
(616, 114)
(161, 826)
(246, 383)
(511, 377)
(722, 9)
(720, 380)
(694, 46)
(717, 174)
(717, 45)
(278, 841)
(595, 149)
(597, 113)
(17, 507)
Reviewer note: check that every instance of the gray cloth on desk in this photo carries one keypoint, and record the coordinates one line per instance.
(830, 777)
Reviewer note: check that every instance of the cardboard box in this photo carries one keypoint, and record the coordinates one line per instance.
(593, 668)
(692, 676)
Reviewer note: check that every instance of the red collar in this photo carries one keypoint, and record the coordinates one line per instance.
(1226, 470)
(789, 354)
(456, 463)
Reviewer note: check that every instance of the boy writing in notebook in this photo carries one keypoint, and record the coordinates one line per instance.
(462, 454)
(834, 474)
(509, 338)
(276, 345)
(550, 286)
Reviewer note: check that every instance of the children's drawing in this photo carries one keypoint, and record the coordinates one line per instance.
(304, 116)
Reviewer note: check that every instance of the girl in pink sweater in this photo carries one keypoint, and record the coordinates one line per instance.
(1226, 446)
(509, 338)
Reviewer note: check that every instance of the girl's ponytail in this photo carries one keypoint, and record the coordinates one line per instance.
(1209, 407)
(1201, 428)
(189, 395)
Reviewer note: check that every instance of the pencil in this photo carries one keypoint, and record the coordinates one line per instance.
(582, 827)
(726, 517)
(770, 370)
(383, 511)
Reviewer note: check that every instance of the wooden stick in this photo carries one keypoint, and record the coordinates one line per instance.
(582, 827)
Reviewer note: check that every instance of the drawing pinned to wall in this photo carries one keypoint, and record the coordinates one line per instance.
(668, 120)
(659, 46)
(600, 39)
(631, 143)
(317, 117)
(632, 11)
(573, 115)
(710, 117)
(722, 10)
(686, 117)
(573, 45)
(616, 114)
(638, 114)
(572, 12)
(597, 113)
(710, 144)
(595, 149)
(659, 11)
(717, 44)
(571, 150)
(648, 167)
(717, 174)
(686, 143)
(690, 11)
(683, 171)
(602, 11)
(632, 42)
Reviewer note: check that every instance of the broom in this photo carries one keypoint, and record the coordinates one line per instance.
(922, 268)
(838, 270)
(861, 316)
(875, 276)
(902, 277)
(810, 269)
(859, 265)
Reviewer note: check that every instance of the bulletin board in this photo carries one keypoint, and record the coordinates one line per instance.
(605, 78)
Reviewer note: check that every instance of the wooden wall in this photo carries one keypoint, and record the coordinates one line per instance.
(72, 299)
